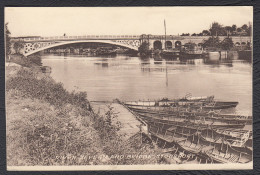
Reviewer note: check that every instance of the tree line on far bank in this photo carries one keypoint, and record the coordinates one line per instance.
(217, 29)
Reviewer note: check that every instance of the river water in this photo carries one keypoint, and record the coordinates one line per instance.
(133, 78)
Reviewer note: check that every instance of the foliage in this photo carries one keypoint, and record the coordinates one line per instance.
(34, 60)
(227, 43)
(38, 134)
(144, 48)
(249, 30)
(7, 40)
(115, 145)
(239, 30)
(108, 131)
(17, 47)
(45, 89)
(217, 29)
(234, 27)
(29, 61)
(211, 42)
(105, 126)
(185, 34)
(205, 33)
(46, 125)
(214, 42)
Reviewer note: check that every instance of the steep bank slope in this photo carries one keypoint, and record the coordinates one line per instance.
(47, 125)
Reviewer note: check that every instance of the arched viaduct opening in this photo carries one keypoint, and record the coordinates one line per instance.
(177, 44)
(157, 45)
(168, 45)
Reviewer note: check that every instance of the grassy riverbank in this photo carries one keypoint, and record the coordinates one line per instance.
(47, 125)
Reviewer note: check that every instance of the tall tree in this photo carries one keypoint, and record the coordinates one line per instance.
(244, 27)
(185, 34)
(7, 40)
(217, 29)
(249, 31)
(234, 28)
(17, 47)
(144, 49)
(227, 43)
(205, 33)
(228, 30)
(239, 30)
(211, 42)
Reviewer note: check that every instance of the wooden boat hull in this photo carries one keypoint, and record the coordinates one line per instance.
(222, 105)
(197, 144)
(201, 125)
(192, 116)
(182, 121)
(167, 102)
(190, 104)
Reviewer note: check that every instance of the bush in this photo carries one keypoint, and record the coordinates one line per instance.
(105, 126)
(144, 49)
(39, 136)
(36, 60)
(29, 61)
(46, 125)
(114, 145)
(46, 89)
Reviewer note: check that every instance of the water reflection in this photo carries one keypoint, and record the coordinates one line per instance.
(157, 58)
(135, 78)
(217, 63)
(157, 62)
(102, 64)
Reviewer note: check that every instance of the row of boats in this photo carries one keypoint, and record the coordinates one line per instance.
(196, 125)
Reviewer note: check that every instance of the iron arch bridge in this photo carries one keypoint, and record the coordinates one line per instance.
(31, 45)
(37, 44)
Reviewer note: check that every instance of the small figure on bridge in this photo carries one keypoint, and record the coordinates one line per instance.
(64, 34)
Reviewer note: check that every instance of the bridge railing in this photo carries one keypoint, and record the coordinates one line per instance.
(83, 37)
(127, 37)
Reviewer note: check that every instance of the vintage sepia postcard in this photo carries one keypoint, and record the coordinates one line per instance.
(128, 88)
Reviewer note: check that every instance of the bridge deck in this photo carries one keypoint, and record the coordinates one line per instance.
(130, 125)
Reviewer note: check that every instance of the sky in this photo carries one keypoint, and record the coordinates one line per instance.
(55, 21)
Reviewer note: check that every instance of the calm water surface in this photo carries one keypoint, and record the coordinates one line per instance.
(133, 78)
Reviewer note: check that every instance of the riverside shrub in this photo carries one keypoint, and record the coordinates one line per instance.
(38, 136)
(46, 89)
(49, 136)
(47, 125)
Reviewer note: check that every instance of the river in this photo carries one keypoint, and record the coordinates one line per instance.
(133, 78)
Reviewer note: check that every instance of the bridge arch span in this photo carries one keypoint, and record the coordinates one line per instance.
(133, 46)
